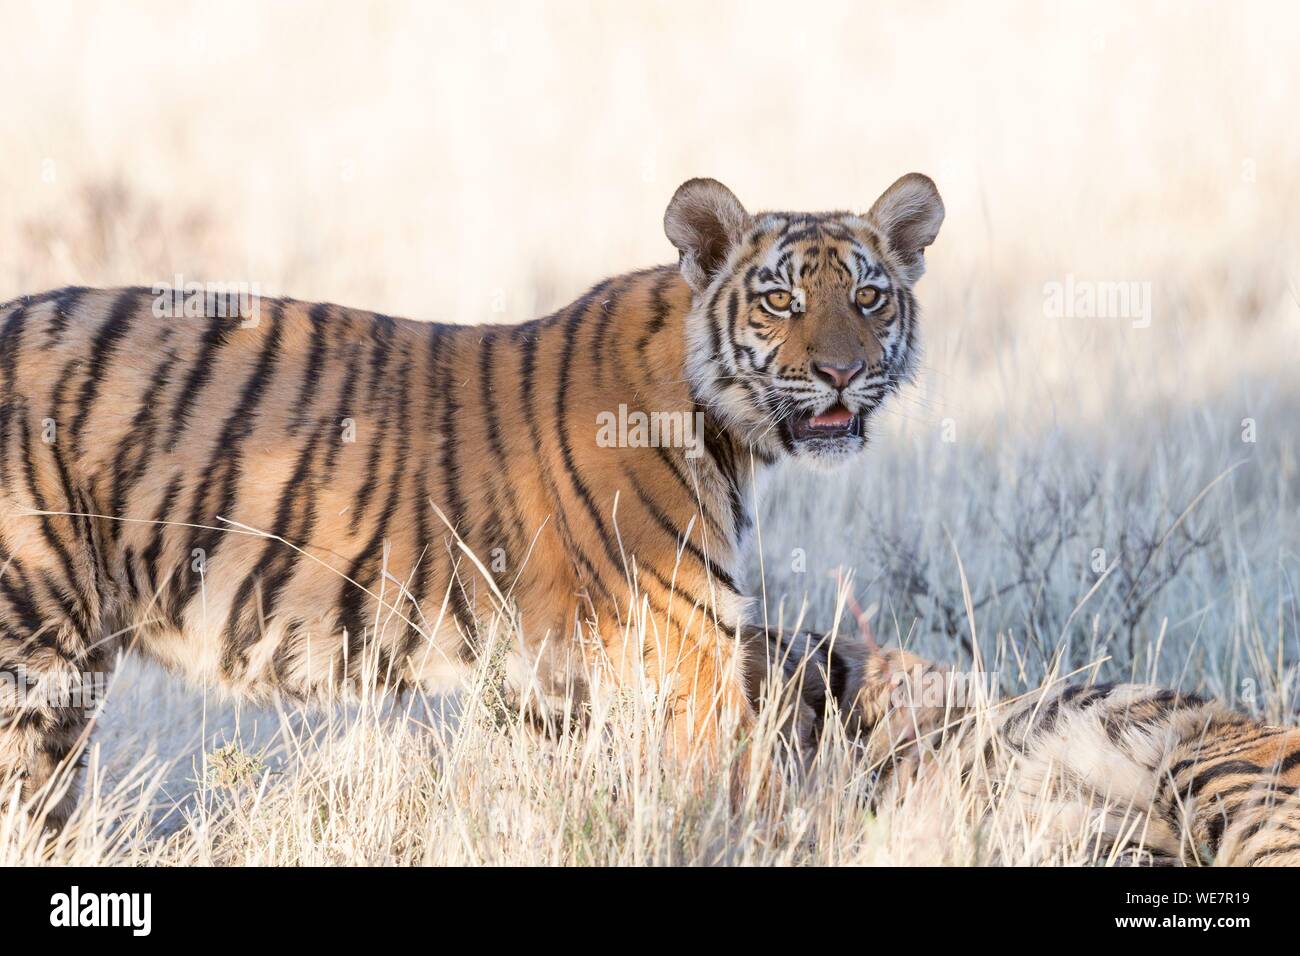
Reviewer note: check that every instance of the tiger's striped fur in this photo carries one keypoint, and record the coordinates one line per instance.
(185, 487)
(1151, 775)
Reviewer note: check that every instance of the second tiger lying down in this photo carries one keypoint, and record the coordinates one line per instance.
(1127, 772)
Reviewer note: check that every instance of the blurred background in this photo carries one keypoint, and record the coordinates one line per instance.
(471, 162)
(1111, 491)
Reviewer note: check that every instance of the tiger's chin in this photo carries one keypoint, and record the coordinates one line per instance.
(827, 439)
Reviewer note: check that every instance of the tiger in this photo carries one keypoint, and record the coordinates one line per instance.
(1144, 775)
(281, 498)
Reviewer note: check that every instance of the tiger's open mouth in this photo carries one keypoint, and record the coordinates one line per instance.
(835, 422)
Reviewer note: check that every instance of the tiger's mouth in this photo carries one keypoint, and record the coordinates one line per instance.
(836, 422)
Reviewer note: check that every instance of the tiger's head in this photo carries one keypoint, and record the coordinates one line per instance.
(801, 323)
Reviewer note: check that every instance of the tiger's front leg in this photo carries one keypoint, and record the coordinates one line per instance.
(710, 714)
(697, 678)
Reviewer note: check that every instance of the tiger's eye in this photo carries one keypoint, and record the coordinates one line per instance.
(867, 296)
(778, 299)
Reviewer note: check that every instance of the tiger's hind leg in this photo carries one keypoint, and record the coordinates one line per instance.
(54, 656)
(49, 689)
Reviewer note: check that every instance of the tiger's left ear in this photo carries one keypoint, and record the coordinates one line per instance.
(909, 213)
(704, 221)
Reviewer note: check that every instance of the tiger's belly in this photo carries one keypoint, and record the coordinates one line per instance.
(293, 594)
(256, 612)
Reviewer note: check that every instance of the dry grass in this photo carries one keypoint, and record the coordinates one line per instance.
(462, 163)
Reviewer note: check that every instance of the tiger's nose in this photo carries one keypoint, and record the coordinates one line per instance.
(838, 375)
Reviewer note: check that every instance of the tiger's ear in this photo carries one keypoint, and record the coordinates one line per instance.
(704, 221)
(909, 213)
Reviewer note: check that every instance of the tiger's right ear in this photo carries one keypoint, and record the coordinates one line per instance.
(704, 221)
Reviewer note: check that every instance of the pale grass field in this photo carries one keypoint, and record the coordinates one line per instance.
(489, 161)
